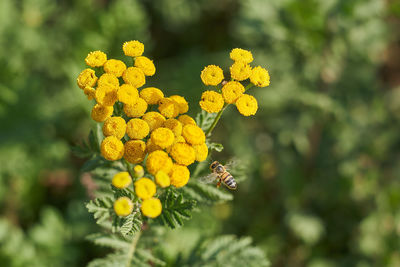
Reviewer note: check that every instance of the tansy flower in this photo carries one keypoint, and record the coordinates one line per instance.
(101, 113)
(153, 119)
(259, 77)
(123, 206)
(238, 54)
(179, 175)
(240, 71)
(151, 207)
(182, 103)
(158, 161)
(115, 67)
(186, 119)
(183, 154)
(162, 137)
(112, 148)
(162, 179)
(150, 146)
(193, 134)
(134, 151)
(178, 139)
(108, 79)
(86, 78)
(121, 180)
(247, 105)
(134, 76)
(128, 94)
(151, 95)
(137, 129)
(201, 152)
(174, 125)
(133, 48)
(211, 101)
(137, 109)
(115, 126)
(168, 107)
(145, 188)
(106, 95)
(96, 59)
(231, 91)
(146, 65)
(139, 171)
(89, 92)
(212, 75)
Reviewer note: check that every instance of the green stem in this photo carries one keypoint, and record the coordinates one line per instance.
(248, 86)
(216, 120)
(129, 169)
(132, 248)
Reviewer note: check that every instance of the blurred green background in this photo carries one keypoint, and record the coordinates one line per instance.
(324, 147)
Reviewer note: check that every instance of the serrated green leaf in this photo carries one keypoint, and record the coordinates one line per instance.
(204, 119)
(96, 162)
(107, 240)
(205, 193)
(131, 224)
(215, 146)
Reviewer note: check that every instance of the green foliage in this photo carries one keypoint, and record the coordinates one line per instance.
(204, 119)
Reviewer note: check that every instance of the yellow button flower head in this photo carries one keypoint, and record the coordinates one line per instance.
(183, 154)
(212, 75)
(240, 71)
(193, 134)
(115, 67)
(108, 79)
(179, 175)
(139, 171)
(137, 109)
(112, 148)
(238, 54)
(106, 95)
(186, 119)
(135, 151)
(178, 139)
(247, 105)
(201, 152)
(162, 179)
(151, 95)
(123, 206)
(168, 107)
(154, 119)
(158, 161)
(150, 146)
(96, 59)
(182, 103)
(101, 113)
(86, 78)
(259, 77)
(151, 207)
(134, 76)
(115, 126)
(146, 65)
(121, 180)
(145, 188)
(133, 48)
(231, 91)
(162, 137)
(137, 129)
(89, 92)
(211, 101)
(174, 125)
(128, 94)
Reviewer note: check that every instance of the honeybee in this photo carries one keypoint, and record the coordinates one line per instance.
(219, 172)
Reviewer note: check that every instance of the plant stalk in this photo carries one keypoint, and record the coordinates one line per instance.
(216, 120)
(133, 248)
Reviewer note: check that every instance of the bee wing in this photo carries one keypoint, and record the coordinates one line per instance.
(206, 179)
(232, 162)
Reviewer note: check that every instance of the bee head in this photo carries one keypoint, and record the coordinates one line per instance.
(214, 165)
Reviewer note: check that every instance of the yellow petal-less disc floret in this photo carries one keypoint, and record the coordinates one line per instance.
(123, 206)
(158, 161)
(115, 67)
(182, 103)
(186, 119)
(212, 75)
(162, 179)
(101, 113)
(151, 95)
(242, 55)
(96, 59)
(115, 126)
(112, 148)
(183, 154)
(162, 137)
(137, 109)
(231, 91)
(134, 76)
(150, 146)
(128, 94)
(133, 48)
(153, 119)
(151, 207)
(259, 77)
(106, 95)
(240, 71)
(146, 65)
(179, 175)
(193, 134)
(178, 139)
(139, 171)
(247, 105)
(86, 78)
(135, 151)
(121, 180)
(201, 152)
(211, 101)
(89, 92)
(137, 129)
(145, 188)
(168, 107)
(108, 79)
(174, 125)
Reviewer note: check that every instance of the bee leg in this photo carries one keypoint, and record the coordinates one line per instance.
(219, 183)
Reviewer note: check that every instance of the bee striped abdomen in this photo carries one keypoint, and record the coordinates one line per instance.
(227, 178)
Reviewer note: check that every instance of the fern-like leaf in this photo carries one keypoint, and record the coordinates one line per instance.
(206, 193)
(204, 119)
(101, 209)
(107, 240)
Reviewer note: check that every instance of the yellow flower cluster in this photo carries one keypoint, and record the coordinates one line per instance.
(233, 92)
